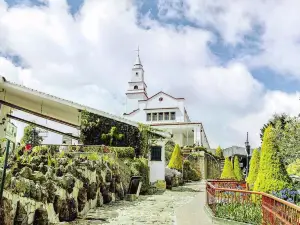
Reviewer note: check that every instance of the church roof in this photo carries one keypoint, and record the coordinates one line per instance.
(161, 92)
(138, 63)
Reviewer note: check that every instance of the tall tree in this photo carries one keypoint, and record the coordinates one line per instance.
(176, 159)
(237, 169)
(228, 172)
(219, 152)
(254, 168)
(272, 175)
(31, 136)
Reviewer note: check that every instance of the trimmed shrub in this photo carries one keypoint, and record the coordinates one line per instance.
(237, 169)
(228, 172)
(123, 152)
(219, 152)
(254, 168)
(176, 159)
(272, 175)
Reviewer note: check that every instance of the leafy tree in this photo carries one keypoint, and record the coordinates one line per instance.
(228, 172)
(254, 168)
(31, 136)
(219, 152)
(281, 119)
(112, 136)
(272, 175)
(176, 159)
(237, 169)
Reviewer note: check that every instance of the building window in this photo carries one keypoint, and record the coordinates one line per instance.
(167, 116)
(172, 115)
(161, 116)
(154, 116)
(160, 99)
(135, 87)
(148, 116)
(156, 153)
(136, 73)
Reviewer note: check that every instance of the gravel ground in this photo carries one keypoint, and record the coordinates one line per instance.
(154, 209)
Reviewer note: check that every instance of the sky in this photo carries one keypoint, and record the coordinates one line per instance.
(235, 64)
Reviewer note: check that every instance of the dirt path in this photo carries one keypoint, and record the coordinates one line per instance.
(154, 210)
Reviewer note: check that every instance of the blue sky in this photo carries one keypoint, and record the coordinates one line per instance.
(234, 64)
(225, 52)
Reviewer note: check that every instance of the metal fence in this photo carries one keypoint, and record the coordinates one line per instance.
(227, 197)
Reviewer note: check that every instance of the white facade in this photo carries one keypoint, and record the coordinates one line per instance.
(157, 167)
(162, 111)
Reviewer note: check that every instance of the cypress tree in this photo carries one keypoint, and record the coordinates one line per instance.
(237, 169)
(219, 152)
(254, 168)
(272, 175)
(228, 172)
(176, 159)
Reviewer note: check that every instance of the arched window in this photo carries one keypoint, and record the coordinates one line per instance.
(135, 87)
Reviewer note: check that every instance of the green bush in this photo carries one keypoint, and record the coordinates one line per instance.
(247, 213)
(189, 173)
(254, 168)
(176, 159)
(294, 168)
(228, 172)
(272, 175)
(219, 152)
(123, 152)
(237, 169)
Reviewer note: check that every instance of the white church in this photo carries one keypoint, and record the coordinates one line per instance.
(161, 110)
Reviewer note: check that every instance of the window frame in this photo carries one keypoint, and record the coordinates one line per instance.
(150, 118)
(158, 155)
(154, 115)
(173, 113)
(162, 116)
(167, 114)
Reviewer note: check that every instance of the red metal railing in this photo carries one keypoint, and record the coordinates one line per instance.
(255, 207)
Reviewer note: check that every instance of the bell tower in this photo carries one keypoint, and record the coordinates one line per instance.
(137, 88)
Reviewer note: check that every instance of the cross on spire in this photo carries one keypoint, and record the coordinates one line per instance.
(138, 50)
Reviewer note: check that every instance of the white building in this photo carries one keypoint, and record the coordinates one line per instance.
(161, 110)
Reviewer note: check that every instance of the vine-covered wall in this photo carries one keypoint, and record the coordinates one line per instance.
(93, 126)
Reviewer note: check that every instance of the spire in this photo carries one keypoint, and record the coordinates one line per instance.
(138, 63)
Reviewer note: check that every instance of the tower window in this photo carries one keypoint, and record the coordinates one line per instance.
(135, 87)
(172, 115)
(136, 73)
(148, 116)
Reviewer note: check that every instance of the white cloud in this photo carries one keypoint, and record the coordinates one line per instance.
(87, 59)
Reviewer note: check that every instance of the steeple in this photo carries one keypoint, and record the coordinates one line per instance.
(138, 63)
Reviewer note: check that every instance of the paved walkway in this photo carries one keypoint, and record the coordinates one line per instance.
(181, 206)
(193, 212)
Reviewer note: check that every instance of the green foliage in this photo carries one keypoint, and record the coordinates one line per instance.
(189, 173)
(294, 168)
(219, 152)
(272, 175)
(176, 159)
(228, 172)
(31, 136)
(169, 147)
(254, 168)
(94, 156)
(282, 120)
(123, 152)
(247, 213)
(237, 169)
(200, 148)
(139, 167)
(111, 137)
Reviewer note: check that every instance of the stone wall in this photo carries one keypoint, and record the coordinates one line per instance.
(43, 187)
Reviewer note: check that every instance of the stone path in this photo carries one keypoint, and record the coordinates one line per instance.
(181, 206)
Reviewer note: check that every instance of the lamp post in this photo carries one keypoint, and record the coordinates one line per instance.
(248, 154)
